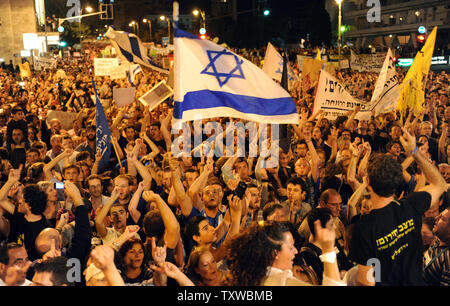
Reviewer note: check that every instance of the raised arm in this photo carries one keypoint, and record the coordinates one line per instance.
(155, 150)
(183, 199)
(132, 206)
(100, 217)
(48, 167)
(437, 184)
(315, 172)
(356, 196)
(172, 232)
(442, 153)
(235, 205)
(13, 178)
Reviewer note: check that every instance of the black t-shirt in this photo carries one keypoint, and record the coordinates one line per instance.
(30, 230)
(392, 235)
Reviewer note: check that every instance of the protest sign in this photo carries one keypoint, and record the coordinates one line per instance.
(335, 100)
(124, 96)
(366, 62)
(66, 118)
(344, 64)
(300, 60)
(156, 95)
(102, 66)
(118, 72)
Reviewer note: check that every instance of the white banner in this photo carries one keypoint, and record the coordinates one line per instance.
(335, 100)
(385, 95)
(102, 66)
(42, 63)
(366, 62)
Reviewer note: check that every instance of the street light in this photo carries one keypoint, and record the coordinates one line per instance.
(145, 20)
(162, 18)
(203, 16)
(89, 9)
(339, 2)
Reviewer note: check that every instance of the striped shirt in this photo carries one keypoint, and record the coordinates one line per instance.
(436, 265)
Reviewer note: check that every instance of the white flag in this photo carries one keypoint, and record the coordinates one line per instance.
(385, 95)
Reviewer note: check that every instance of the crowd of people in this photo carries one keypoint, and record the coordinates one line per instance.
(348, 198)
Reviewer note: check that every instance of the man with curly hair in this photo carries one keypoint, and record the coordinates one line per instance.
(390, 234)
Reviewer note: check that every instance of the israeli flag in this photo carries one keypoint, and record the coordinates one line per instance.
(273, 66)
(134, 70)
(211, 81)
(130, 48)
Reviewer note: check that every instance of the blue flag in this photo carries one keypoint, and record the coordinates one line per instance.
(103, 133)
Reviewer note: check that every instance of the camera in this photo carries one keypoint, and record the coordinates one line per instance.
(240, 190)
(59, 185)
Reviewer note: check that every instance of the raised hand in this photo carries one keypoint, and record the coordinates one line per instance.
(53, 252)
(408, 141)
(325, 237)
(14, 175)
(131, 230)
(98, 156)
(149, 196)
(103, 257)
(158, 253)
(63, 220)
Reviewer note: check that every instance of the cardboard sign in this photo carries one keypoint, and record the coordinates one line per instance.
(66, 118)
(156, 95)
(124, 96)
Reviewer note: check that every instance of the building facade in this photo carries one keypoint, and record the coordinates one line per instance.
(397, 25)
(16, 18)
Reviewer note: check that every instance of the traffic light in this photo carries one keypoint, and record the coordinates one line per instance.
(266, 12)
(62, 44)
(202, 36)
(202, 31)
(421, 38)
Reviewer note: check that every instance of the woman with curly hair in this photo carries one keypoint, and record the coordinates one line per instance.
(263, 255)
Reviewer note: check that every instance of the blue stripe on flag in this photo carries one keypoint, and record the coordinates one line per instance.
(127, 55)
(135, 46)
(246, 104)
(180, 33)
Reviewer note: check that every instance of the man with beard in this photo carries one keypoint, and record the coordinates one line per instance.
(89, 144)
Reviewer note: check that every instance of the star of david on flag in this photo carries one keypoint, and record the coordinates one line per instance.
(211, 82)
(214, 65)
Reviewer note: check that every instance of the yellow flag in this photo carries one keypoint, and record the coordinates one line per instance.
(412, 93)
(318, 57)
(25, 71)
(428, 49)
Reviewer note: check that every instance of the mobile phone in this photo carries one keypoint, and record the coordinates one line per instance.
(59, 185)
